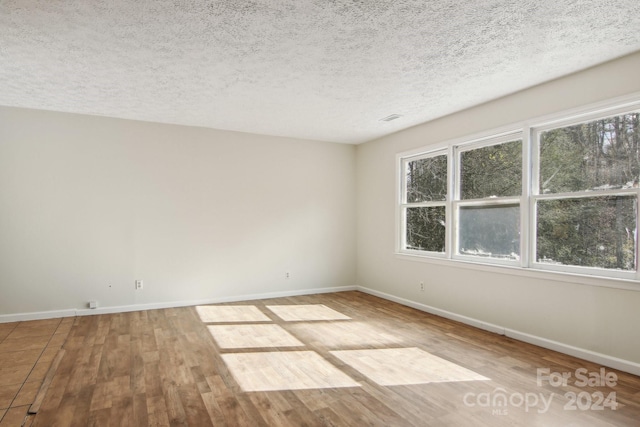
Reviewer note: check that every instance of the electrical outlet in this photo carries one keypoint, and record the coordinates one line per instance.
(93, 304)
(287, 275)
(422, 286)
(139, 284)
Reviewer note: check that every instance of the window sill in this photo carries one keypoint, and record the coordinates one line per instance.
(582, 279)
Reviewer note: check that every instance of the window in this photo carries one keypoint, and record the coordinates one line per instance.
(596, 231)
(586, 193)
(488, 209)
(561, 196)
(424, 196)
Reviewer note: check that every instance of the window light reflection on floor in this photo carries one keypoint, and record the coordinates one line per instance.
(259, 370)
(285, 370)
(404, 366)
(306, 312)
(231, 313)
(338, 335)
(252, 336)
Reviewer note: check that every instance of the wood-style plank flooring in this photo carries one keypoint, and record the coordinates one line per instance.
(347, 359)
(26, 352)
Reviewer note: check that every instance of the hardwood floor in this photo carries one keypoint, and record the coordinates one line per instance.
(26, 352)
(346, 359)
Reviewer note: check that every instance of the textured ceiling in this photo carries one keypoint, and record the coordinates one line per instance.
(316, 69)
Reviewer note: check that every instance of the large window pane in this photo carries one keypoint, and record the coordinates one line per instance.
(426, 228)
(493, 171)
(599, 155)
(490, 231)
(427, 179)
(588, 232)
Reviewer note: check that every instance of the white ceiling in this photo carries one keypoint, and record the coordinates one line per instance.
(315, 69)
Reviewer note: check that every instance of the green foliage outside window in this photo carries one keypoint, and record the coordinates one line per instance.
(599, 155)
(425, 228)
(493, 171)
(426, 181)
(584, 202)
(589, 232)
(586, 158)
(490, 172)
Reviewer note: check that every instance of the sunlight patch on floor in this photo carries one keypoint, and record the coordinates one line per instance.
(231, 313)
(341, 334)
(252, 336)
(404, 366)
(306, 312)
(285, 370)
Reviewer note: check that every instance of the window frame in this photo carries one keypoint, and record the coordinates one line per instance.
(528, 132)
(404, 205)
(457, 203)
(535, 195)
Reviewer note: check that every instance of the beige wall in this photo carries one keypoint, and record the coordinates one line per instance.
(88, 205)
(595, 319)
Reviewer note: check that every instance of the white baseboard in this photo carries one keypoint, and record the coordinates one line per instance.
(39, 315)
(438, 312)
(21, 317)
(592, 356)
(603, 359)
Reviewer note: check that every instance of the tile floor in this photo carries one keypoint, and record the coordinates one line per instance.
(26, 352)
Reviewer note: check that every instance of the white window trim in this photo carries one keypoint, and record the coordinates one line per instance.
(527, 266)
(456, 202)
(403, 204)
